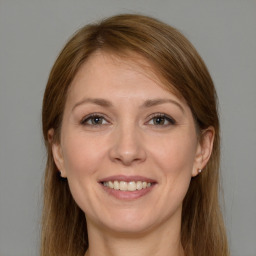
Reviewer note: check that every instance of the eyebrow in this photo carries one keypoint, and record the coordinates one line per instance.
(146, 104)
(155, 102)
(97, 101)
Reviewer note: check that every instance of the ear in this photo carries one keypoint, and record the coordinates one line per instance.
(57, 153)
(204, 150)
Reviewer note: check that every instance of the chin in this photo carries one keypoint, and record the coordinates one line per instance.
(124, 226)
(131, 221)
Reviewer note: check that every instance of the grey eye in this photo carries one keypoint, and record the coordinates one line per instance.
(94, 120)
(162, 120)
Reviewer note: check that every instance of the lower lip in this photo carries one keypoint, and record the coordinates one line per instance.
(128, 195)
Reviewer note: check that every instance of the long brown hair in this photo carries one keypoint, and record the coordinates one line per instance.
(179, 65)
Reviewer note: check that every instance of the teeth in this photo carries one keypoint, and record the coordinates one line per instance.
(131, 186)
(127, 186)
(139, 185)
(123, 185)
(116, 185)
(110, 184)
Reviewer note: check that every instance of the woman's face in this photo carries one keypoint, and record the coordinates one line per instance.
(128, 147)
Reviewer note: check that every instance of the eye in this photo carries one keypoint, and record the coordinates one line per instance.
(94, 120)
(161, 120)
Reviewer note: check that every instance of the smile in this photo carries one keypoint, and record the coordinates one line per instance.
(124, 187)
(127, 186)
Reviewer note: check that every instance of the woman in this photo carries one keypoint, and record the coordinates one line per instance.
(132, 133)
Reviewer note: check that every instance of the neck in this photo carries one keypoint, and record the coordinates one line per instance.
(158, 242)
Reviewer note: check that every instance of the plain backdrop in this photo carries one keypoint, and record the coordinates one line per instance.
(31, 35)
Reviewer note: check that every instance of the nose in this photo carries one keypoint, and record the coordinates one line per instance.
(127, 146)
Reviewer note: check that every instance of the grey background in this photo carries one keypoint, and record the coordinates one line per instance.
(31, 35)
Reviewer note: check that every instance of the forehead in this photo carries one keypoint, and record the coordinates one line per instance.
(110, 72)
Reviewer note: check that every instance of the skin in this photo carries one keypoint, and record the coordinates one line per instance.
(128, 140)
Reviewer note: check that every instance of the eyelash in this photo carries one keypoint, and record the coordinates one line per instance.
(162, 116)
(167, 118)
(91, 117)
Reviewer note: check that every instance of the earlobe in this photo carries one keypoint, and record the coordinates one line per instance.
(58, 158)
(57, 153)
(204, 150)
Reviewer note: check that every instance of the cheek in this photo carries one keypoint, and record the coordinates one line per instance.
(175, 161)
(177, 164)
(82, 159)
(81, 155)
(175, 155)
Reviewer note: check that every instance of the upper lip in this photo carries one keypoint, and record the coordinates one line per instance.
(127, 178)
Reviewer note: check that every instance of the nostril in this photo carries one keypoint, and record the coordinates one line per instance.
(127, 146)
